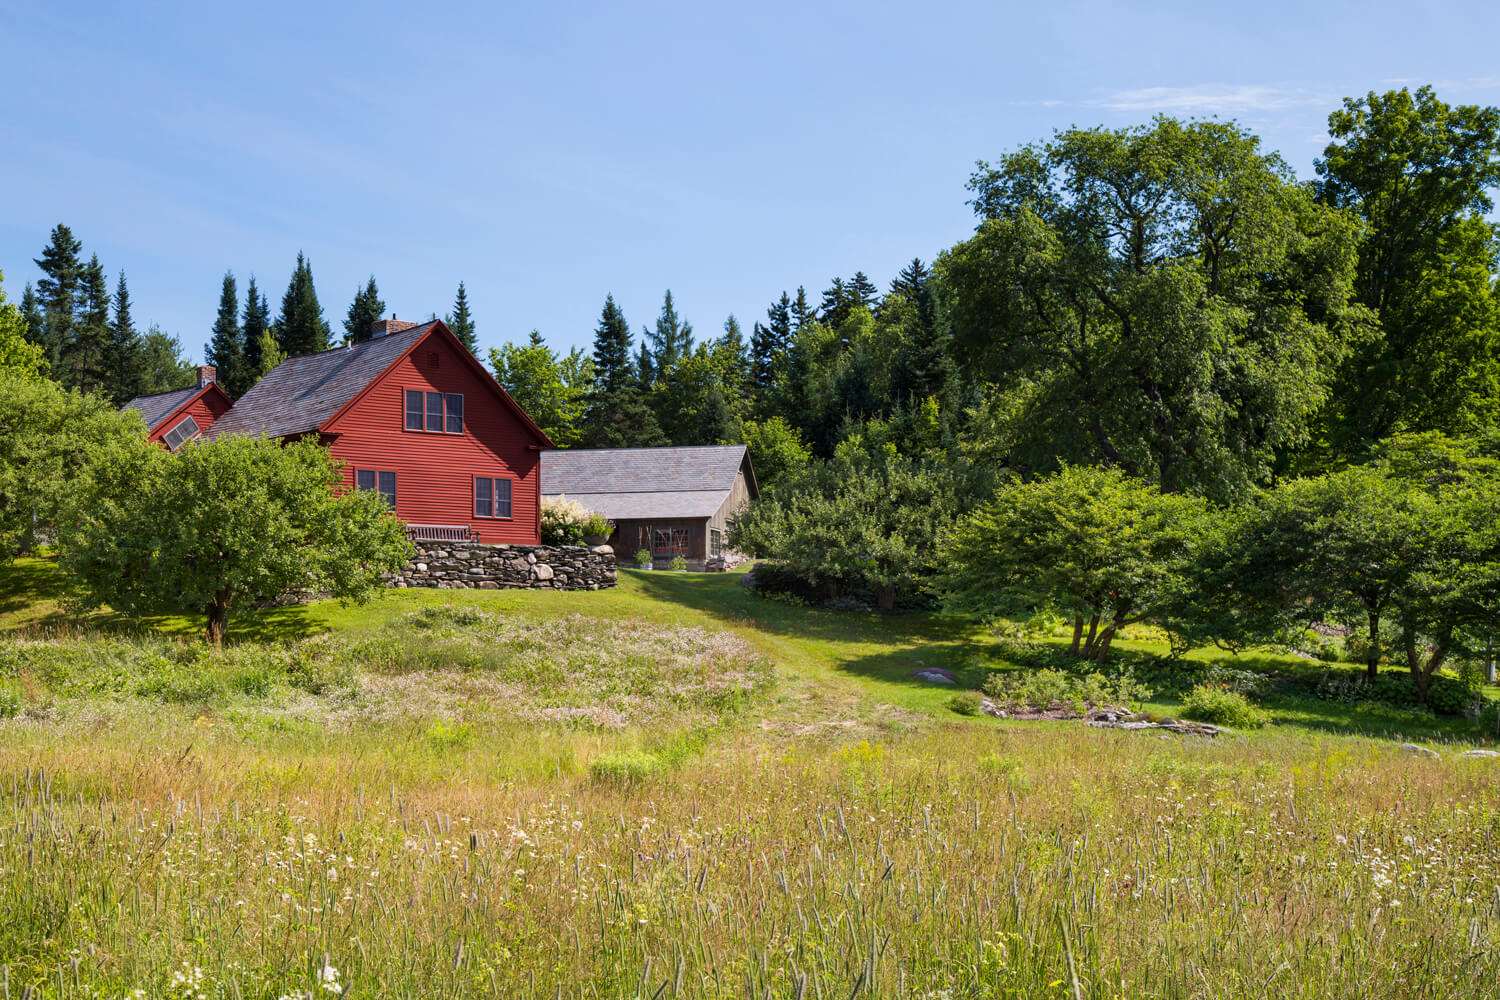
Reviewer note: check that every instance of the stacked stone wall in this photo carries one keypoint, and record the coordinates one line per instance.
(471, 565)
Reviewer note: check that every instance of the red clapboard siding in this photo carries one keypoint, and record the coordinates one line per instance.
(206, 407)
(435, 471)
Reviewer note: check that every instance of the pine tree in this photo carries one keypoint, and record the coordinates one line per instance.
(769, 341)
(645, 370)
(226, 349)
(57, 291)
(863, 290)
(672, 339)
(122, 354)
(257, 321)
(31, 315)
(733, 359)
(366, 308)
(83, 353)
(802, 310)
(911, 280)
(618, 416)
(301, 328)
(460, 322)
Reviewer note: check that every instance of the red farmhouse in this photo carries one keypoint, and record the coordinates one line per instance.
(175, 418)
(413, 414)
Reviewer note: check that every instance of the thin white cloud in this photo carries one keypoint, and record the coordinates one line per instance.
(1216, 99)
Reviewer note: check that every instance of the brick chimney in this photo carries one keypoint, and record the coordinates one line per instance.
(382, 327)
(206, 374)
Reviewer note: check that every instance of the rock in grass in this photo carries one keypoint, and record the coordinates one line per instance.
(1419, 751)
(1480, 753)
(935, 675)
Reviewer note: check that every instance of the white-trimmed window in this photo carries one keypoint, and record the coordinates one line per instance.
(185, 431)
(492, 497)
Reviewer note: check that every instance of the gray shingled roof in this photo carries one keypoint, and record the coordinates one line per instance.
(644, 482)
(301, 393)
(156, 408)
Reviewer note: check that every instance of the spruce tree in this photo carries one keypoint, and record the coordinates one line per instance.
(226, 349)
(802, 311)
(863, 290)
(732, 358)
(645, 370)
(57, 291)
(31, 315)
(461, 322)
(672, 339)
(911, 280)
(83, 353)
(769, 341)
(123, 352)
(366, 308)
(301, 328)
(618, 415)
(257, 322)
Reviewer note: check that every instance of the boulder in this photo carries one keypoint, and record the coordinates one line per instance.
(1419, 751)
(934, 675)
(542, 571)
(1480, 754)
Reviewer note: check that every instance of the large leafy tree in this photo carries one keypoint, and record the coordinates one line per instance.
(163, 367)
(690, 400)
(1104, 548)
(1420, 173)
(461, 321)
(226, 348)
(553, 389)
(19, 357)
(224, 524)
(1163, 299)
(50, 439)
(301, 328)
(777, 451)
(367, 307)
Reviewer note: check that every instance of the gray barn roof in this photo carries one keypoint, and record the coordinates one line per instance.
(631, 483)
(301, 393)
(156, 408)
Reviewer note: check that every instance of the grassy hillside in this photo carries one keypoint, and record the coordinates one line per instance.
(676, 788)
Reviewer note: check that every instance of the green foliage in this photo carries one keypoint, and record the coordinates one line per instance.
(163, 368)
(1222, 707)
(1419, 172)
(865, 519)
(19, 357)
(226, 349)
(628, 767)
(51, 441)
(1103, 548)
(643, 557)
(677, 563)
(568, 522)
(1049, 688)
(461, 322)
(553, 389)
(366, 309)
(301, 328)
(257, 325)
(1172, 301)
(777, 450)
(966, 703)
(222, 525)
(618, 417)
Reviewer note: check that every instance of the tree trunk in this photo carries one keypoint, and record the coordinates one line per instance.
(1088, 644)
(1077, 635)
(218, 621)
(1372, 655)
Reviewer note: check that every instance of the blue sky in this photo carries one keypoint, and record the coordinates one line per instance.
(548, 154)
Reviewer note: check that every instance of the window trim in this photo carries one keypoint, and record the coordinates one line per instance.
(493, 480)
(187, 419)
(444, 411)
(672, 534)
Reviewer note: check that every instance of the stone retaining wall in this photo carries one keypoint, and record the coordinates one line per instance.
(464, 565)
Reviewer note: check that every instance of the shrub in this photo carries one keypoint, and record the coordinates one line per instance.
(565, 522)
(966, 702)
(1219, 705)
(10, 704)
(625, 768)
(643, 557)
(596, 525)
(1047, 687)
(678, 563)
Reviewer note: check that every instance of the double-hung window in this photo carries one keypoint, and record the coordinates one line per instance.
(491, 497)
(438, 412)
(373, 479)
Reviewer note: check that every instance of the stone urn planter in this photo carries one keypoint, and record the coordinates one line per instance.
(595, 539)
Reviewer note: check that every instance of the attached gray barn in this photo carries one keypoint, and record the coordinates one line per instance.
(669, 501)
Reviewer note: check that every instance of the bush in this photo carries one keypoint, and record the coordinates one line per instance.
(678, 563)
(1219, 705)
(10, 704)
(625, 768)
(643, 557)
(966, 702)
(565, 522)
(1042, 689)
